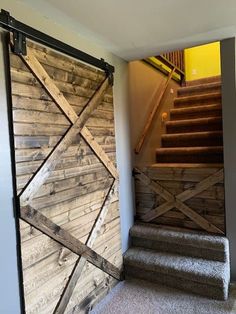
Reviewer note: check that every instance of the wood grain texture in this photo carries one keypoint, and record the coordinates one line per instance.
(58, 97)
(46, 102)
(44, 224)
(66, 141)
(155, 199)
(78, 268)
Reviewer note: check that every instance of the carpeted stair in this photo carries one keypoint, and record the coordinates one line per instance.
(194, 131)
(195, 262)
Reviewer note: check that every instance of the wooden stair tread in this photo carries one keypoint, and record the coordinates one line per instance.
(210, 154)
(189, 150)
(193, 124)
(199, 97)
(193, 134)
(205, 80)
(196, 108)
(194, 121)
(187, 165)
(192, 139)
(202, 111)
(201, 88)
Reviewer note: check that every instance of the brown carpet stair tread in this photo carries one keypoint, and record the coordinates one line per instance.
(199, 89)
(209, 138)
(189, 150)
(194, 125)
(196, 111)
(187, 165)
(199, 97)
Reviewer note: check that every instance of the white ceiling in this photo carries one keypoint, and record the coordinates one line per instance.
(133, 29)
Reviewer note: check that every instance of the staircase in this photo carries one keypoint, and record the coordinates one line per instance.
(194, 132)
(194, 262)
(192, 150)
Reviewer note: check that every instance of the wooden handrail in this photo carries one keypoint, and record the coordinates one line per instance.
(153, 112)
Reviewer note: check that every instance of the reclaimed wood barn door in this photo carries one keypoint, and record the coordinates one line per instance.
(66, 179)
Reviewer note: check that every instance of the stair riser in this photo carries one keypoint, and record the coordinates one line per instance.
(215, 292)
(203, 81)
(192, 142)
(190, 91)
(194, 158)
(180, 249)
(178, 103)
(195, 115)
(188, 128)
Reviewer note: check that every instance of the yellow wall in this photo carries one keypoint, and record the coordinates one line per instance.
(202, 61)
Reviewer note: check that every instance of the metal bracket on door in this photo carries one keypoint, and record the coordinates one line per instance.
(19, 44)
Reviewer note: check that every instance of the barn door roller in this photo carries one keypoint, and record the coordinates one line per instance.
(22, 31)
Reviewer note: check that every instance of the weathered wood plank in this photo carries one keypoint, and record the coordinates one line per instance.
(40, 177)
(39, 301)
(44, 78)
(73, 193)
(29, 103)
(202, 185)
(94, 297)
(179, 174)
(40, 246)
(54, 264)
(154, 186)
(49, 85)
(52, 58)
(34, 154)
(50, 293)
(199, 220)
(60, 235)
(177, 200)
(76, 273)
(88, 137)
(215, 192)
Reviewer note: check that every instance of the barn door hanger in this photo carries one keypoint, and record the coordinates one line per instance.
(22, 31)
(109, 72)
(19, 39)
(19, 43)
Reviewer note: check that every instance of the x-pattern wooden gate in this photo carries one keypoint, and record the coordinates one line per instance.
(33, 216)
(172, 200)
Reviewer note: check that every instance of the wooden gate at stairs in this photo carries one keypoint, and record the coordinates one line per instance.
(189, 197)
(66, 180)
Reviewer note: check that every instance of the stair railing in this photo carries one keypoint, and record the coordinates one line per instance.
(157, 98)
(174, 59)
(167, 61)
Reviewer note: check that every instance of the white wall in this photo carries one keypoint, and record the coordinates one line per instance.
(9, 279)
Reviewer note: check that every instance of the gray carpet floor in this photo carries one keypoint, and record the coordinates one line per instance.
(141, 297)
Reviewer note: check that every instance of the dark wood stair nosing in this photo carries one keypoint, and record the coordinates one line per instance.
(199, 89)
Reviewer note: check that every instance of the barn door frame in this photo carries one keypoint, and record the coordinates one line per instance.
(20, 33)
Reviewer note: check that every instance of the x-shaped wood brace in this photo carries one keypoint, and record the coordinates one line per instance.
(44, 224)
(177, 201)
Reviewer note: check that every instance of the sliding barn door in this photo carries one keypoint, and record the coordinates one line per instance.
(66, 180)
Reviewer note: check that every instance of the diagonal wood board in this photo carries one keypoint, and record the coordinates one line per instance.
(177, 201)
(78, 268)
(36, 219)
